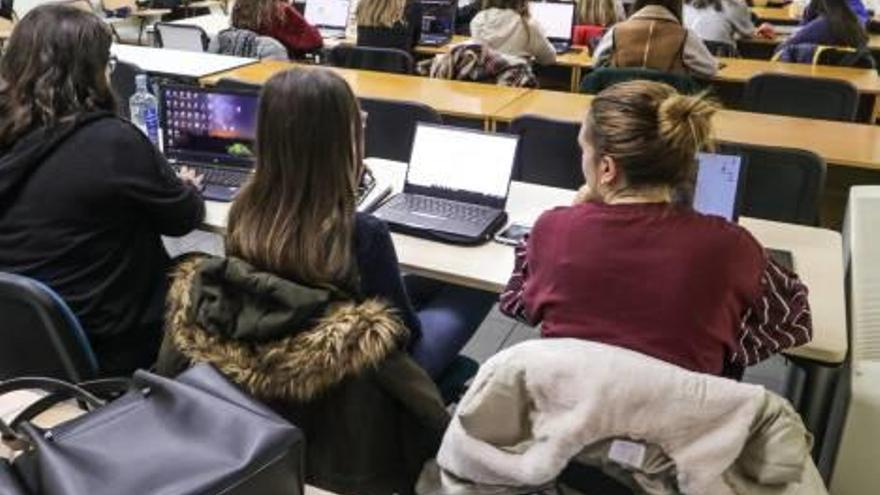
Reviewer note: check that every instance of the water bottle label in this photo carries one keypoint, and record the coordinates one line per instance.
(151, 121)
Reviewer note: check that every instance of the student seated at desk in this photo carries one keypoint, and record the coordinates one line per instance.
(280, 20)
(829, 22)
(505, 25)
(628, 265)
(389, 23)
(603, 13)
(84, 195)
(723, 21)
(292, 313)
(654, 38)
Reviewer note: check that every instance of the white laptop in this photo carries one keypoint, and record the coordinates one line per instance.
(557, 20)
(329, 16)
(718, 190)
(456, 185)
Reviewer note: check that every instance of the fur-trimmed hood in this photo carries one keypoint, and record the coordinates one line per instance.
(277, 339)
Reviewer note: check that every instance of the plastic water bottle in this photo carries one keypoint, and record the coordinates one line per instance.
(144, 108)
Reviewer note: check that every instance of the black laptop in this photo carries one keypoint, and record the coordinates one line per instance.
(212, 131)
(456, 185)
(557, 20)
(438, 22)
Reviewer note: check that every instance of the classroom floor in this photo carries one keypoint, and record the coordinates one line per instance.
(497, 331)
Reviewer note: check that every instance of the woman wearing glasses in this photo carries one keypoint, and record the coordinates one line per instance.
(84, 196)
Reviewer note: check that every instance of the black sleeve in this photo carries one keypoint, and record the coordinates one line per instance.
(144, 181)
(379, 271)
(413, 15)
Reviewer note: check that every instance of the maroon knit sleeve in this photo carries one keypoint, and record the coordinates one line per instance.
(779, 319)
(294, 32)
(512, 303)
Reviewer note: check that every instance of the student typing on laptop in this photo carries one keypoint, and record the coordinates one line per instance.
(626, 265)
(389, 23)
(280, 20)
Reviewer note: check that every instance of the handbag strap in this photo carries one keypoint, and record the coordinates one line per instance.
(105, 389)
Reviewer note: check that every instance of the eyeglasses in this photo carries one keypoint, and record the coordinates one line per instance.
(111, 63)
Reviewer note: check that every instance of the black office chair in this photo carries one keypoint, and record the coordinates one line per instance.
(122, 82)
(782, 184)
(548, 152)
(40, 335)
(845, 57)
(370, 58)
(721, 49)
(605, 77)
(235, 84)
(391, 125)
(798, 96)
(180, 37)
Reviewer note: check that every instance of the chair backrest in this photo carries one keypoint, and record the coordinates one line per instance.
(391, 126)
(370, 58)
(122, 81)
(40, 335)
(7, 9)
(844, 57)
(798, 96)
(605, 77)
(721, 49)
(114, 5)
(548, 152)
(181, 37)
(782, 184)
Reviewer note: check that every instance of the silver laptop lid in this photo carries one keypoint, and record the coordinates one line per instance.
(461, 164)
(328, 14)
(208, 126)
(556, 18)
(719, 185)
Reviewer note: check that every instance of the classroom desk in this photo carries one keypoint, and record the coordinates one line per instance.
(782, 15)
(178, 63)
(455, 98)
(817, 254)
(839, 143)
(210, 23)
(740, 70)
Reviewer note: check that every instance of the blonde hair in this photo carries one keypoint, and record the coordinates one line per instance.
(380, 13)
(597, 12)
(651, 131)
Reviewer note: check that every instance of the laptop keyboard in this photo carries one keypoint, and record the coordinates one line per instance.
(452, 210)
(220, 176)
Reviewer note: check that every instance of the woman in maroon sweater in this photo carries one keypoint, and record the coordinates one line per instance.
(627, 265)
(280, 20)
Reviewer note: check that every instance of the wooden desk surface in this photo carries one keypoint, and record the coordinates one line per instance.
(873, 40)
(817, 254)
(840, 143)
(457, 98)
(787, 14)
(740, 70)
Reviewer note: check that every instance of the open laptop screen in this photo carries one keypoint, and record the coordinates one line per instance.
(718, 185)
(327, 13)
(556, 18)
(461, 164)
(438, 17)
(209, 126)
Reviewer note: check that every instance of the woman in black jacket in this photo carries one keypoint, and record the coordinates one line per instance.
(84, 195)
(389, 23)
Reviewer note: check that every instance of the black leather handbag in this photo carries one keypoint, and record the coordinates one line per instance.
(197, 434)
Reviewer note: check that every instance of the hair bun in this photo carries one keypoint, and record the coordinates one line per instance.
(685, 122)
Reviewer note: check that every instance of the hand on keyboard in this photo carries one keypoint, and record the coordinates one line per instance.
(190, 176)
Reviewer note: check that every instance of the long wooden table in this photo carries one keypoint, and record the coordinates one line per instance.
(817, 255)
(455, 98)
(839, 143)
(788, 14)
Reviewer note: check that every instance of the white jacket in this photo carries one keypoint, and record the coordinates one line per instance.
(508, 32)
(536, 405)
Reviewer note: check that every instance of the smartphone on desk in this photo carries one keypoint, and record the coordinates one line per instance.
(512, 234)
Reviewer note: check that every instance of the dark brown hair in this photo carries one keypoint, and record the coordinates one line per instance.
(53, 69)
(254, 15)
(652, 132)
(673, 6)
(844, 24)
(295, 216)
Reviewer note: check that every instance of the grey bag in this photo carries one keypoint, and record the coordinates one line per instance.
(197, 434)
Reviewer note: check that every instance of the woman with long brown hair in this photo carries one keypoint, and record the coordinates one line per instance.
(628, 265)
(280, 20)
(308, 310)
(389, 23)
(506, 26)
(84, 195)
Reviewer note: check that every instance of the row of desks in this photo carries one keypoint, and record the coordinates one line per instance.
(847, 144)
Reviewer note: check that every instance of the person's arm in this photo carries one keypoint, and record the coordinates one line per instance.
(815, 32)
(144, 181)
(778, 319)
(740, 18)
(512, 301)
(380, 272)
(294, 32)
(697, 58)
(539, 45)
